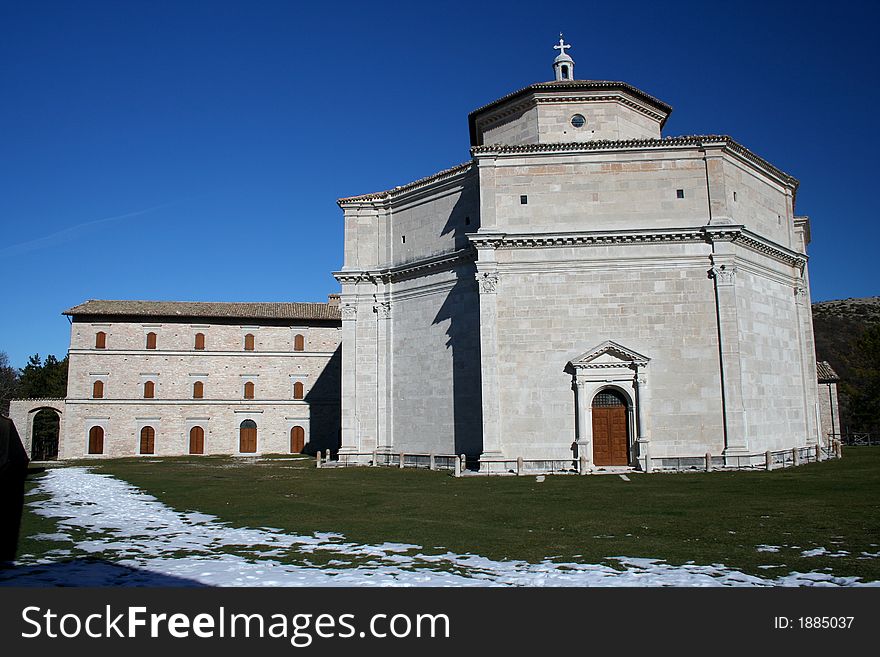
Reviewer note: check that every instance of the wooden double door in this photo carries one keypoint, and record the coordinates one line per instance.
(610, 429)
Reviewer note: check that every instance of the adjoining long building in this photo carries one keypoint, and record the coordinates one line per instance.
(174, 378)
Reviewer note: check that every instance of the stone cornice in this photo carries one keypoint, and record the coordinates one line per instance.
(406, 270)
(380, 198)
(709, 234)
(686, 141)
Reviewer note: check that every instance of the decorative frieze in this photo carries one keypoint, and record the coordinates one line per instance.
(688, 141)
(734, 234)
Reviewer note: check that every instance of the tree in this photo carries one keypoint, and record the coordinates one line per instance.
(8, 383)
(43, 379)
(864, 387)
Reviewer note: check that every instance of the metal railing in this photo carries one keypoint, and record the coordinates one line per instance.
(860, 438)
(769, 460)
(426, 461)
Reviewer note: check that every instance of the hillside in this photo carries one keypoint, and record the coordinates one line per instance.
(838, 325)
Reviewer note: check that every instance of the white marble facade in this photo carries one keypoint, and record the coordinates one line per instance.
(579, 250)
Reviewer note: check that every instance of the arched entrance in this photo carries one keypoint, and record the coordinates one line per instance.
(96, 440)
(196, 440)
(247, 437)
(297, 440)
(610, 428)
(148, 440)
(45, 432)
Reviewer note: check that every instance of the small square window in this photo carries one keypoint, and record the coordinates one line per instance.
(679, 193)
(523, 200)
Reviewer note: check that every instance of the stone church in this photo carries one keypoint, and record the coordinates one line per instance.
(583, 288)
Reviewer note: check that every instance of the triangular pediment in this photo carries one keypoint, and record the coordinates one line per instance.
(609, 354)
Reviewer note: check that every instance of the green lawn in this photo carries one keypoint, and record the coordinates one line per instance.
(706, 518)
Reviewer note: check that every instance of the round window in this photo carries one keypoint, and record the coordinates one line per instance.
(578, 121)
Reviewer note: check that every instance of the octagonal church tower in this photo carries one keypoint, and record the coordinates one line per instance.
(582, 288)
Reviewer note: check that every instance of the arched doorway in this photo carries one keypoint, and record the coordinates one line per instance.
(96, 440)
(610, 428)
(297, 440)
(45, 431)
(196, 440)
(247, 437)
(148, 440)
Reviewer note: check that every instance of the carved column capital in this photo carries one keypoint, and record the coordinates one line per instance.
(723, 274)
(488, 282)
(382, 309)
(348, 311)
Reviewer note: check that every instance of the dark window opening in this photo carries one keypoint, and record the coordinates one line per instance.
(523, 200)
(679, 193)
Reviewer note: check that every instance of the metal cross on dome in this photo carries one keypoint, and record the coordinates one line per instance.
(562, 45)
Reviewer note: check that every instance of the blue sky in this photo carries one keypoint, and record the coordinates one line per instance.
(195, 150)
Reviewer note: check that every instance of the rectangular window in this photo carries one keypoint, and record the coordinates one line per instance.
(523, 200)
(679, 193)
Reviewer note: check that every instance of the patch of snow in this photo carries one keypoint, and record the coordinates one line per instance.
(822, 552)
(768, 548)
(138, 541)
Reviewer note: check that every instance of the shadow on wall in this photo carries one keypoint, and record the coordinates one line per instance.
(462, 308)
(325, 408)
(87, 572)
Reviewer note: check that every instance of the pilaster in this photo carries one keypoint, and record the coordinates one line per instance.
(723, 273)
(348, 311)
(488, 282)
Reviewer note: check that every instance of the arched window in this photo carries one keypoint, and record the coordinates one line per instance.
(198, 390)
(100, 340)
(98, 390)
(200, 341)
(249, 390)
(151, 340)
(249, 342)
(148, 440)
(96, 440)
(196, 440)
(247, 437)
(565, 72)
(297, 440)
(149, 389)
(298, 390)
(299, 342)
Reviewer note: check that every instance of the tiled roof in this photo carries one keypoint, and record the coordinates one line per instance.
(208, 309)
(556, 85)
(573, 86)
(824, 372)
